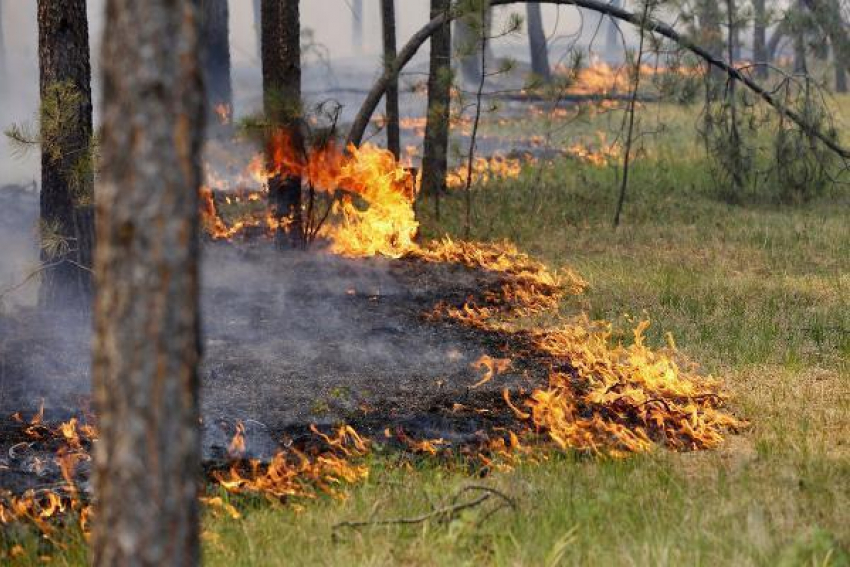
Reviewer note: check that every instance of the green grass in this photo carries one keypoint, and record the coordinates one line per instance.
(758, 294)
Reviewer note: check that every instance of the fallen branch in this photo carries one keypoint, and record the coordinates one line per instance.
(367, 109)
(444, 514)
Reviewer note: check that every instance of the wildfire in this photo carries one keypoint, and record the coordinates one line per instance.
(295, 473)
(484, 170)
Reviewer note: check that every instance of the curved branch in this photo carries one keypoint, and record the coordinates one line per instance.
(361, 121)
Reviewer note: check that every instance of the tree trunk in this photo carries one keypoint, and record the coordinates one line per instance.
(66, 171)
(216, 34)
(258, 26)
(828, 16)
(537, 43)
(282, 103)
(357, 26)
(391, 98)
(467, 36)
(3, 78)
(146, 347)
(436, 143)
(613, 47)
(760, 38)
(800, 65)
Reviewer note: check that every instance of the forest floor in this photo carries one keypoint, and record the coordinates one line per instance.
(758, 293)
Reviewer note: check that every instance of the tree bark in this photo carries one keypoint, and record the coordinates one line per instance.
(537, 43)
(760, 38)
(406, 53)
(391, 97)
(146, 346)
(357, 26)
(282, 103)
(216, 58)
(436, 143)
(66, 171)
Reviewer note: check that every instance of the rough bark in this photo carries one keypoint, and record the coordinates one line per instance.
(760, 38)
(436, 143)
(537, 42)
(216, 58)
(357, 26)
(391, 98)
(282, 103)
(146, 346)
(406, 53)
(66, 132)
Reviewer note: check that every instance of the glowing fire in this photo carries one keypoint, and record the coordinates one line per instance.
(485, 170)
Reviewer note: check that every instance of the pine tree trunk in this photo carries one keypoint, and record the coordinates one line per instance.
(146, 347)
(282, 102)
(357, 26)
(828, 16)
(216, 58)
(800, 65)
(391, 98)
(760, 38)
(613, 47)
(537, 43)
(466, 38)
(66, 172)
(436, 143)
(3, 79)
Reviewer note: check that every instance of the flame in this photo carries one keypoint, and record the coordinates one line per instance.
(293, 473)
(373, 211)
(223, 112)
(485, 170)
(491, 366)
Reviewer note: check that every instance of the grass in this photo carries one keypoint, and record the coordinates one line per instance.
(759, 294)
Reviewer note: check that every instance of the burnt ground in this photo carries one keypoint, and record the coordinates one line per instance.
(290, 340)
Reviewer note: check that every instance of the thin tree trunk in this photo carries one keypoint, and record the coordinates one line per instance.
(800, 64)
(627, 157)
(216, 30)
(473, 138)
(146, 347)
(732, 101)
(467, 44)
(66, 171)
(258, 26)
(613, 48)
(760, 38)
(436, 143)
(537, 43)
(828, 16)
(391, 98)
(282, 103)
(840, 73)
(3, 78)
(357, 26)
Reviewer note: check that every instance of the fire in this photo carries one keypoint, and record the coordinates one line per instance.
(484, 170)
(224, 113)
(600, 154)
(372, 211)
(293, 473)
(602, 396)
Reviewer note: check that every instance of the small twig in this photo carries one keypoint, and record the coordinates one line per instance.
(445, 513)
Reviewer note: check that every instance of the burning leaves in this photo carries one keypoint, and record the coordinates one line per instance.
(297, 473)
